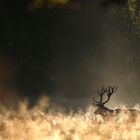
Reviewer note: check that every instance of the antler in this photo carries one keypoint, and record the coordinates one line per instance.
(108, 90)
(100, 93)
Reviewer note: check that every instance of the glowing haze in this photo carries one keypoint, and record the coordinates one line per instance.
(35, 124)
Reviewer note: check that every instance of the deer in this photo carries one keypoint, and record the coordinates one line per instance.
(104, 111)
(101, 108)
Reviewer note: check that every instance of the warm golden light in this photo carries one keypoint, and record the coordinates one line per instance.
(34, 124)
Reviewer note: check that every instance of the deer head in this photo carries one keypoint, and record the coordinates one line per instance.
(105, 91)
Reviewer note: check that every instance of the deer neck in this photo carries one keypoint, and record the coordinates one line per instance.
(102, 110)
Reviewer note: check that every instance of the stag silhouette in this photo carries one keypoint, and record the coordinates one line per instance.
(105, 91)
(104, 111)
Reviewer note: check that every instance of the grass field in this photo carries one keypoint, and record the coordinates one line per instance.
(34, 124)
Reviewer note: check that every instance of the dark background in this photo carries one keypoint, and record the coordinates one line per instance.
(67, 52)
